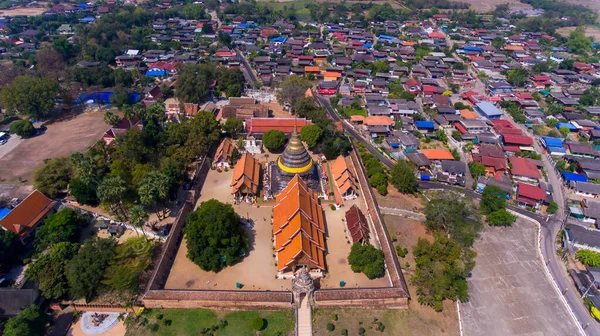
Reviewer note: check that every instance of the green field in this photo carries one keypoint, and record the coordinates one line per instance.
(193, 321)
(302, 13)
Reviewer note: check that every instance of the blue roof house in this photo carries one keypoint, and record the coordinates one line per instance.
(488, 110)
(553, 142)
(423, 125)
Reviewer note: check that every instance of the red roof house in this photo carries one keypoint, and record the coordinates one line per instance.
(530, 195)
(524, 169)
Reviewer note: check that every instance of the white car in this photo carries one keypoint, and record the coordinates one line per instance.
(3, 141)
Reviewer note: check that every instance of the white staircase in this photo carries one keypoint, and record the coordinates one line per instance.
(304, 323)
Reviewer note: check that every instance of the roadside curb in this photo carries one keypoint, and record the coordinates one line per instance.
(547, 271)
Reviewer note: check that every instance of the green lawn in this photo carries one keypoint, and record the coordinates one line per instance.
(194, 321)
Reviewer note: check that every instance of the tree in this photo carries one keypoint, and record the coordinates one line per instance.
(111, 118)
(31, 321)
(578, 42)
(49, 270)
(501, 217)
(215, 236)
(132, 258)
(441, 269)
(564, 131)
(551, 122)
(54, 177)
(138, 217)
(62, 226)
(8, 247)
(112, 191)
(292, 88)
(517, 76)
(49, 62)
(274, 140)
(193, 82)
(233, 127)
(22, 128)
(492, 199)
(457, 217)
(154, 189)
(403, 178)
(192, 137)
(30, 96)
(83, 193)
(311, 135)
(476, 169)
(366, 259)
(87, 269)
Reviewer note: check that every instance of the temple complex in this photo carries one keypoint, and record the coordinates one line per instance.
(299, 229)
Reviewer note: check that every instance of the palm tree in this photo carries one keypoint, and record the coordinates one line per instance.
(138, 217)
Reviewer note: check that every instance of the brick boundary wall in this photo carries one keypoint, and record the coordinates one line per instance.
(102, 308)
(222, 299)
(391, 262)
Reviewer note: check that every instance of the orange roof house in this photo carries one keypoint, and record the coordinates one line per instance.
(299, 228)
(246, 175)
(468, 114)
(223, 154)
(345, 179)
(437, 154)
(513, 48)
(379, 121)
(331, 76)
(357, 119)
(312, 69)
(23, 219)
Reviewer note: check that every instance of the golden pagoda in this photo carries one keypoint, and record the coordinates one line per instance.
(295, 158)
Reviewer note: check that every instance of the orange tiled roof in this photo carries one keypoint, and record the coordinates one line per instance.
(223, 151)
(378, 120)
(310, 68)
(513, 48)
(437, 154)
(246, 175)
(28, 213)
(332, 74)
(468, 114)
(298, 226)
(344, 178)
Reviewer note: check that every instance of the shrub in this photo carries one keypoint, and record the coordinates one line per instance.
(258, 324)
(344, 332)
(589, 258)
(402, 252)
(501, 218)
(23, 128)
(334, 317)
(552, 208)
(333, 207)
(159, 316)
(380, 327)
(330, 326)
(394, 238)
(361, 331)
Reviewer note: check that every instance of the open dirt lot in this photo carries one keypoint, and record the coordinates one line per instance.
(593, 4)
(29, 11)
(593, 32)
(510, 293)
(490, 5)
(418, 319)
(60, 138)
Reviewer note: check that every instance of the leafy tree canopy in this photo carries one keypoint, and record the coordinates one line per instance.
(87, 269)
(403, 178)
(22, 128)
(54, 177)
(311, 134)
(501, 217)
(131, 258)
(30, 96)
(367, 259)
(31, 321)
(292, 88)
(274, 140)
(442, 267)
(492, 199)
(62, 226)
(233, 127)
(49, 270)
(456, 216)
(215, 236)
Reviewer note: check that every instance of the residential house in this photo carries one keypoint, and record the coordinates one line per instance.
(524, 170)
(28, 215)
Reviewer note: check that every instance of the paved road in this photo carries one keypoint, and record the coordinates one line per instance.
(11, 144)
(247, 70)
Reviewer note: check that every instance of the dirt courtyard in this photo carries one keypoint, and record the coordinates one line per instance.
(60, 138)
(490, 5)
(257, 270)
(26, 11)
